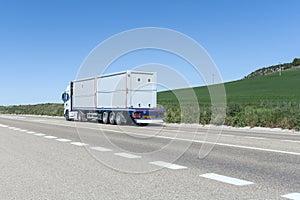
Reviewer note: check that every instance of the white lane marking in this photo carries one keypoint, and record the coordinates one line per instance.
(30, 132)
(127, 155)
(50, 137)
(4, 126)
(188, 140)
(205, 142)
(16, 129)
(226, 179)
(40, 134)
(23, 130)
(167, 165)
(293, 196)
(79, 144)
(296, 141)
(11, 127)
(63, 140)
(100, 149)
(257, 138)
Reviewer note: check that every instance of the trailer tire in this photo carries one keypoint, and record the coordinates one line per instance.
(120, 119)
(112, 118)
(105, 117)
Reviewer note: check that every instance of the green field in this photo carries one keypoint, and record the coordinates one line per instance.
(270, 100)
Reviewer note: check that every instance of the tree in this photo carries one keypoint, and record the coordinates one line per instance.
(296, 62)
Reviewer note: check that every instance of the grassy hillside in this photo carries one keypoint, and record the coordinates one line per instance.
(268, 88)
(268, 100)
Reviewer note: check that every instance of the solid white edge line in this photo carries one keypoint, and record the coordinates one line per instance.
(226, 179)
(100, 149)
(167, 165)
(293, 196)
(257, 138)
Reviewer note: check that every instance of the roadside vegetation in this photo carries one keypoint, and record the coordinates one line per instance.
(51, 109)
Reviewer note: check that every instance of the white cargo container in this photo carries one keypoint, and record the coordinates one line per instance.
(114, 98)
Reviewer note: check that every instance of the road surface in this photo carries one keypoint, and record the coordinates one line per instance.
(50, 158)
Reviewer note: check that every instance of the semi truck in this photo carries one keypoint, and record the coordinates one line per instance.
(117, 98)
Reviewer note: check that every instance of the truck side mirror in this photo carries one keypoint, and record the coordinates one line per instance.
(65, 97)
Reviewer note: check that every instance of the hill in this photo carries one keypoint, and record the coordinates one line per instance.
(271, 100)
(274, 68)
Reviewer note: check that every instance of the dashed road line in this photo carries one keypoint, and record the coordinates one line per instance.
(63, 140)
(50, 137)
(101, 149)
(127, 155)
(167, 165)
(226, 179)
(23, 130)
(79, 144)
(30, 132)
(293, 196)
(40, 134)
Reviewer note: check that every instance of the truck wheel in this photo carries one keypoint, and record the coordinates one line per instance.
(120, 119)
(112, 118)
(105, 118)
(67, 116)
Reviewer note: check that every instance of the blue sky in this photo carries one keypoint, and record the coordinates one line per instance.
(43, 43)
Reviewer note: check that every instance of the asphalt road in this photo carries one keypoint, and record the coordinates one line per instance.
(49, 158)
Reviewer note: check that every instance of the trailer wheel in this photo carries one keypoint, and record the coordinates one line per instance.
(112, 118)
(120, 119)
(105, 118)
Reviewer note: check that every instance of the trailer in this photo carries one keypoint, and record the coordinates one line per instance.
(117, 98)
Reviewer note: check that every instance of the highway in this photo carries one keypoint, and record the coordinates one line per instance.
(50, 158)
